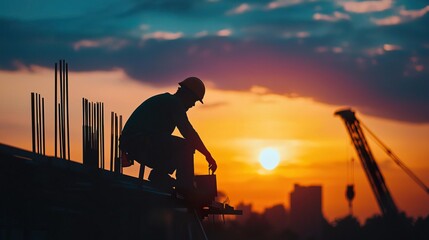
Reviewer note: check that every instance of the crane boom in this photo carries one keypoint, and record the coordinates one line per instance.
(372, 171)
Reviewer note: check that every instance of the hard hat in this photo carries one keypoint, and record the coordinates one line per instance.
(196, 86)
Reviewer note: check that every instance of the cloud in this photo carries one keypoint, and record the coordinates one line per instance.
(242, 8)
(337, 16)
(224, 33)
(282, 3)
(162, 35)
(403, 16)
(108, 42)
(415, 13)
(381, 70)
(366, 6)
(392, 20)
(391, 47)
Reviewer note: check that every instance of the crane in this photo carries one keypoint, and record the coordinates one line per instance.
(384, 198)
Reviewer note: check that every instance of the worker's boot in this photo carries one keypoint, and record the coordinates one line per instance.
(161, 180)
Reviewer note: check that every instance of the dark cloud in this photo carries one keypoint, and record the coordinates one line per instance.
(333, 64)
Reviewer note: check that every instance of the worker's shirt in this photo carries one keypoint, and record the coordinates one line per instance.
(159, 116)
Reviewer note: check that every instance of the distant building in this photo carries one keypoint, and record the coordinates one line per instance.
(247, 211)
(306, 218)
(277, 216)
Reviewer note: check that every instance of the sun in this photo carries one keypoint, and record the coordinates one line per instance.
(269, 158)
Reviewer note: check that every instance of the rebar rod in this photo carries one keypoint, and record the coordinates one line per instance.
(33, 124)
(67, 112)
(60, 74)
(39, 121)
(120, 125)
(37, 125)
(99, 135)
(87, 133)
(89, 125)
(102, 136)
(111, 140)
(116, 143)
(60, 112)
(55, 107)
(63, 116)
(119, 150)
(43, 126)
(40, 124)
(92, 133)
(97, 149)
(60, 132)
(88, 129)
(83, 130)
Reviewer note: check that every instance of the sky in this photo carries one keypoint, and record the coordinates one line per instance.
(275, 71)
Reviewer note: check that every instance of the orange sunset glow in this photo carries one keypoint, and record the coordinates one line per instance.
(313, 145)
(312, 115)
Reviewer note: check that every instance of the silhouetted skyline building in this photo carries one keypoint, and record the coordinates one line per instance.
(277, 216)
(247, 211)
(306, 217)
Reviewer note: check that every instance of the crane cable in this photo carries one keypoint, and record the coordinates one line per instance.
(397, 160)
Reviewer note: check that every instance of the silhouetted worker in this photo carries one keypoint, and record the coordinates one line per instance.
(147, 138)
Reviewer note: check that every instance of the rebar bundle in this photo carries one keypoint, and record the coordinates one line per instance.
(93, 134)
(38, 123)
(62, 129)
(115, 133)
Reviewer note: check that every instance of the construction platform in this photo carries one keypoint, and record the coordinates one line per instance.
(49, 198)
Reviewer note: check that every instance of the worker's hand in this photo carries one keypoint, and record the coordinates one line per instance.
(212, 163)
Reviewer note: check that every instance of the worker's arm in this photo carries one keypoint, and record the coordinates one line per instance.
(188, 132)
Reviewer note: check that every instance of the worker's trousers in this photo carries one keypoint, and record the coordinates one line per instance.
(164, 155)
